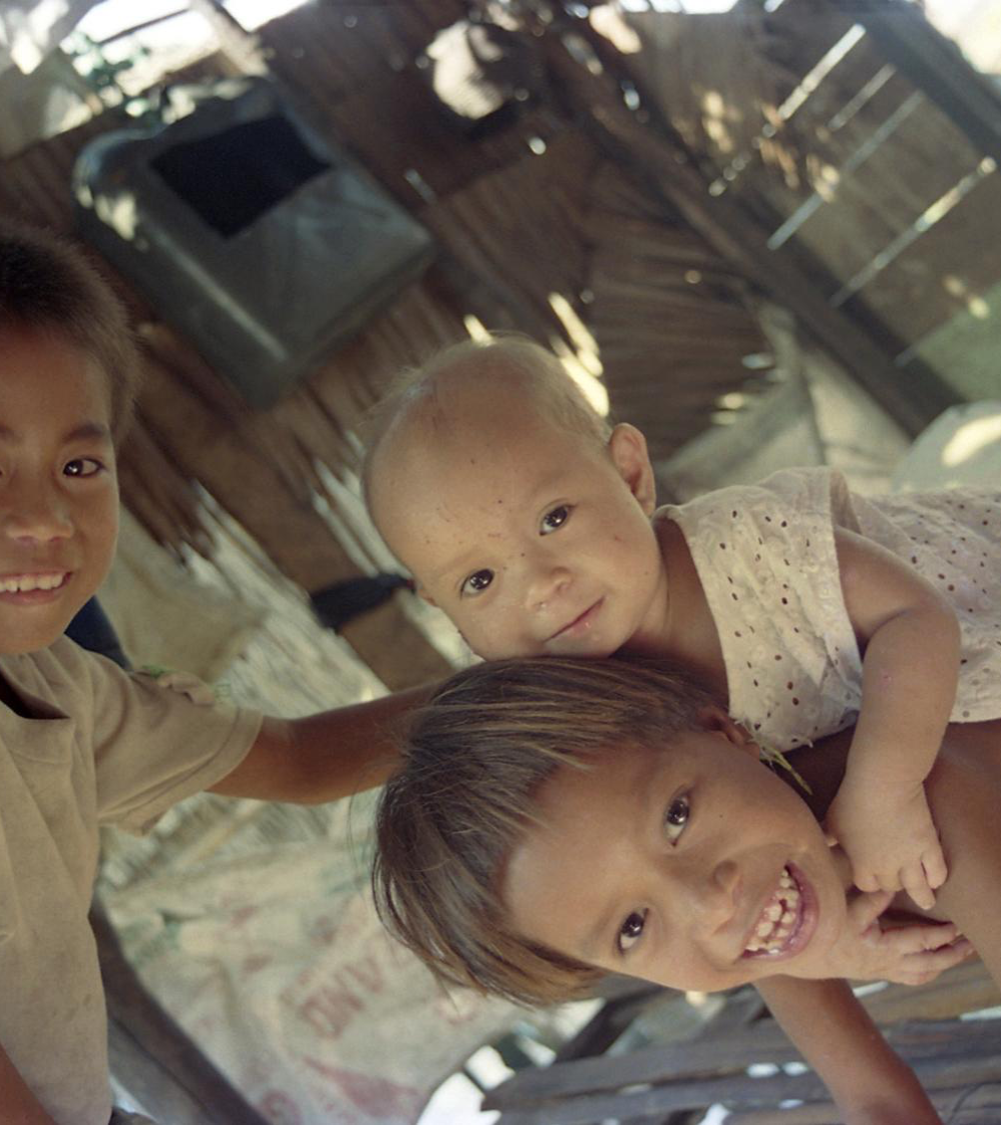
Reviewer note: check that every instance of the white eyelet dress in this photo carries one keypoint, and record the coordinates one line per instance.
(765, 555)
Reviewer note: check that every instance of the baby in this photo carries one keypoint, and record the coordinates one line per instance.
(531, 522)
(559, 818)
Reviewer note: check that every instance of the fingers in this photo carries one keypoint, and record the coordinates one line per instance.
(914, 881)
(934, 863)
(919, 938)
(865, 909)
(921, 968)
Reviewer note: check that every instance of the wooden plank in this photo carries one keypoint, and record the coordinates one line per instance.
(943, 1057)
(964, 1105)
(913, 402)
(936, 65)
(942, 272)
(212, 448)
(152, 1057)
(335, 49)
(873, 203)
(932, 1042)
(530, 251)
(717, 81)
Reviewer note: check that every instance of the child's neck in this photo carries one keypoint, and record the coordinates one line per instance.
(688, 634)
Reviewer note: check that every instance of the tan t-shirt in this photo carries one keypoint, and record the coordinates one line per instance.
(98, 747)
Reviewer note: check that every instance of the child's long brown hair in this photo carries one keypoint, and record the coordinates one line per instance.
(474, 758)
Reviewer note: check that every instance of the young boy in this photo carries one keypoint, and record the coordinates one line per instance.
(561, 818)
(528, 520)
(82, 744)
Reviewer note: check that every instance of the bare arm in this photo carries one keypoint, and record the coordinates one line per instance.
(871, 1085)
(323, 757)
(18, 1105)
(911, 643)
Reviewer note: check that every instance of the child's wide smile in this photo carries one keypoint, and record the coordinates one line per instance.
(58, 489)
(787, 921)
(690, 865)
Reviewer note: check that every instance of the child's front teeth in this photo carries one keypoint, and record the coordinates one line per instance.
(778, 917)
(25, 583)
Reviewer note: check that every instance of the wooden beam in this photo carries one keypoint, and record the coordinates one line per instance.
(152, 1057)
(912, 398)
(937, 67)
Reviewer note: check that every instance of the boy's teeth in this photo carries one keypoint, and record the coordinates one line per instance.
(25, 583)
(776, 923)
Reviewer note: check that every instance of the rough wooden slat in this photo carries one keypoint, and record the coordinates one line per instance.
(286, 525)
(152, 1057)
(946, 1055)
(913, 402)
(942, 272)
(936, 65)
(921, 160)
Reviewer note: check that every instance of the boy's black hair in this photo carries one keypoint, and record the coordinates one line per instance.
(47, 285)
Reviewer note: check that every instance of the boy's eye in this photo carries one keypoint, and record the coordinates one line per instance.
(478, 581)
(82, 467)
(631, 931)
(557, 518)
(676, 817)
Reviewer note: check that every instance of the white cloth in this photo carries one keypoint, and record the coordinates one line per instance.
(765, 555)
(87, 746)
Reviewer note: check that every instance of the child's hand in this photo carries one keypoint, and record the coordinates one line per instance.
(911, 954)
(890, 840)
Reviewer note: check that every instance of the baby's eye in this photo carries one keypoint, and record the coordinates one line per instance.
(676, 817)
(478, 581)
(631, 931)
(82, 467)
(557, 518)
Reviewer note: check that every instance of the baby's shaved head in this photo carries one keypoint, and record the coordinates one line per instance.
(451, 389)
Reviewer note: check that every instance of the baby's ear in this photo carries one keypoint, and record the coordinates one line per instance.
(628, 449)
(715, 720)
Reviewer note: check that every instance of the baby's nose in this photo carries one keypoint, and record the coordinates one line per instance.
(548, 584)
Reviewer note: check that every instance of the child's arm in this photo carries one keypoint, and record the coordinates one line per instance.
(911, 642)
(322, 757)
(18, 1105)
(871, 1085)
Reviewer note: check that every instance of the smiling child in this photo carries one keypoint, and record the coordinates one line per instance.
(83, 744)
(559, 818)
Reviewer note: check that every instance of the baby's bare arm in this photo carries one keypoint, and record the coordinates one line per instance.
(911, 642)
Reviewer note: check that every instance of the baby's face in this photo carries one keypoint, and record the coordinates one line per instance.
(58, 487)
(691, 866)
(529, 537)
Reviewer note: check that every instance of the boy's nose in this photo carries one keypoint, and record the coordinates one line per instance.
(36, 516)
(713, 897)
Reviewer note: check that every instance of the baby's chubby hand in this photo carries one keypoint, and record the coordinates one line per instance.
(890, 840)
(915, 953)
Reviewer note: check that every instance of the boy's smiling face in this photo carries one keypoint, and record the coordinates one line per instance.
(58, 486)
(692, 866)
(534, 539)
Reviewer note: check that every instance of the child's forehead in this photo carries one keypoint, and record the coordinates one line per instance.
(55, 362)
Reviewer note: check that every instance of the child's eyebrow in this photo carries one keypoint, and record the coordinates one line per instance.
(84, 432)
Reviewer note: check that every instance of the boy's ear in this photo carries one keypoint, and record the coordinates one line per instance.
(628, 449)
(715, 720)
